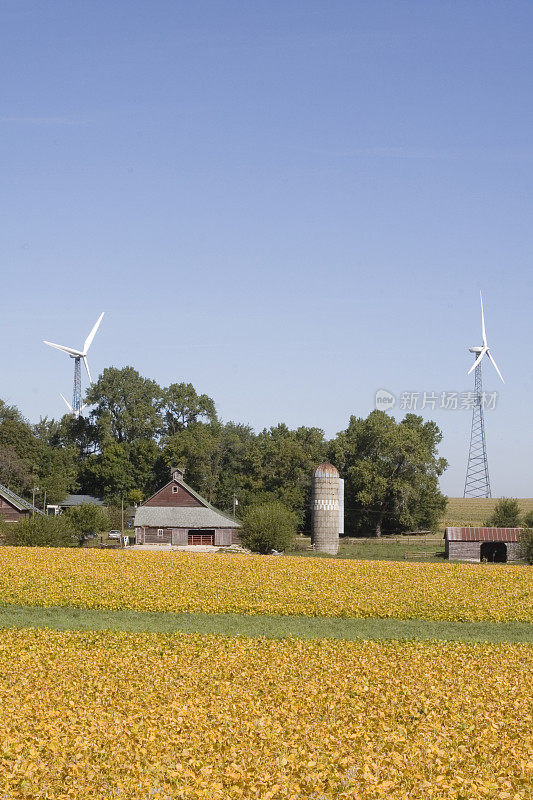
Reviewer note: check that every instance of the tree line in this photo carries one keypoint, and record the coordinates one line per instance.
(137, 430)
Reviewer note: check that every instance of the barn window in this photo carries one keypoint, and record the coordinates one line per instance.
(174, 490)
(160, 531)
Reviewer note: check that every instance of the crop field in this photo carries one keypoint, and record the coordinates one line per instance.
(146, 717)
(185, 582)
(136, 714)
(464, 511)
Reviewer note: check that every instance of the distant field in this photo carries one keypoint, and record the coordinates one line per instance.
(462, 511)
(403, 548)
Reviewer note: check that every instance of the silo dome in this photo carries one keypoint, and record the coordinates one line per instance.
(326, 470)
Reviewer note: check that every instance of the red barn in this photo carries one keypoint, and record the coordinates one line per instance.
(177, 515)
(13, 507)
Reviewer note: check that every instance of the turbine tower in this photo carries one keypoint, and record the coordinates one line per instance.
(477, 482)
(78, 355)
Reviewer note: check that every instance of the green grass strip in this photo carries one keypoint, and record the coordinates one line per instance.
(271, 627)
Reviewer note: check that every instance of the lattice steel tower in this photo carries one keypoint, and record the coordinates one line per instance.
(477, 482)
(77, 404)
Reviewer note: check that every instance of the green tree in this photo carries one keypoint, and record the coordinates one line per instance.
(14, 471)
(122, 468)
(506, 514)
(526, 541)
(528, 519)
(197, 450)
(9, 413)
(127, 406)
(182, 406)
(233, 464)
(87, 519)
(270, 526)
(17, 437)
(43, 532)
(57, 472)
(108, 474)
(35, 455)
(48, 431)
(215, 458)
(280, 467)
(84, 434)
(135, 497)
(391, 471)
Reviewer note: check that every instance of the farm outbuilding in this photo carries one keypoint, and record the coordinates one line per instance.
(177, 515)
(483, 544)
(73, 501)
(13, 508)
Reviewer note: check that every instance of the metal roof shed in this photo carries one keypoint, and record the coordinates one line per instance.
(483, 544)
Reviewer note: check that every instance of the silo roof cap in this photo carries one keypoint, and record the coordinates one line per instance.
(326, 470)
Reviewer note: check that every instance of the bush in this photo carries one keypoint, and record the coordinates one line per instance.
(528, 519)
(271, 526)
(43, 532)
(506, 514)
(526, 540)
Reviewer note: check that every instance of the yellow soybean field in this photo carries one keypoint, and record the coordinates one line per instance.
(139, 717)
(183, 582)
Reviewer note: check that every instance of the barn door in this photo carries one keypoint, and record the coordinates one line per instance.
(201, 537)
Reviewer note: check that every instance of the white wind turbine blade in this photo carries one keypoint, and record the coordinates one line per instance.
(70, 350)
(495, 366)
(87, 368)
(66, 402)
(483, 322)
(89, 339)
(478, 359)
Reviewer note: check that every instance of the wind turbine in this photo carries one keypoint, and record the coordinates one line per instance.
(477, 482)
(70, 407)
(78, 355)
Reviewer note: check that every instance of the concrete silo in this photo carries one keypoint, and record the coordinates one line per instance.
(327, 514)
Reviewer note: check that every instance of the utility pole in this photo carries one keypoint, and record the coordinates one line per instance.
(122, 517)
(235, 504)
(35, 489)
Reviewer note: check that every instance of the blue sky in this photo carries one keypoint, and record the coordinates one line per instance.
(289, 204)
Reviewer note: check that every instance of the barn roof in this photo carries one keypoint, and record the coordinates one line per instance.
(79, 499)
(482, 534)
(18, 502)
(184, 517)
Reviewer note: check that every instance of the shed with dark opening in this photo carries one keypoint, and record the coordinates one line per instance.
(483, 544)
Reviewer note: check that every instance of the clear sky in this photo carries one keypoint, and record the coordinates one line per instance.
(289, 204)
